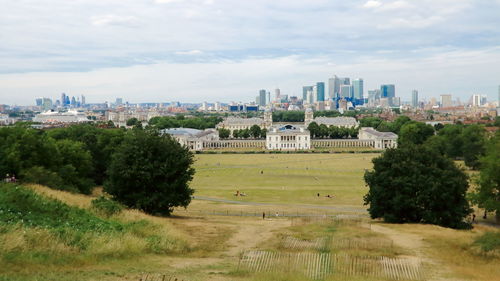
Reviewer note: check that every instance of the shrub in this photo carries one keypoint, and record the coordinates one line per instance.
(489, 241)
(40, 175)
(106, 206)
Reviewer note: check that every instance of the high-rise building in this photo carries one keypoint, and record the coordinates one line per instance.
(446, 101)
(47, 104)
(387, 91)
(414, 98)
(63, 99)
(268, 101)
(357, 88)
(262, 97)
(39, 101)
(83, 100)
(118, 101)
(320, 91)
(277, 93)
(345, 91)
(333, 87)
(305, 89)
(476, 100)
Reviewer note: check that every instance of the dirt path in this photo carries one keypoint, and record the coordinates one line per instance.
(416, 246)
(252, 233)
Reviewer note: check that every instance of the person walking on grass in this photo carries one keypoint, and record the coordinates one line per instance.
(263, 215)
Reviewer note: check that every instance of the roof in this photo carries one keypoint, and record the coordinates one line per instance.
(239, 120)
(385, 135)
(336, 121)
(188, 132)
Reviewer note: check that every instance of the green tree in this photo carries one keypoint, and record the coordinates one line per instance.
(255, 131)
(224, 133)
(133, 121)
(415, 132)
(245, 133)
(313, 129)
(487, 195)
(474, 144)
(236, 134)
(76, 165)
(373, 122)
(151, 173)
(323, 131)
(452, 140)
(263, 133)
(414, 183)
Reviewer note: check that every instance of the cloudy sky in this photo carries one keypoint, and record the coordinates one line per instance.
(226, 50)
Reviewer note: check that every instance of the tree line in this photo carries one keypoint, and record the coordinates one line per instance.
(332, 132)
(140, 167)
(253, 132)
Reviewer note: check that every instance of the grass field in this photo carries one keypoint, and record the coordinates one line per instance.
(284, 178)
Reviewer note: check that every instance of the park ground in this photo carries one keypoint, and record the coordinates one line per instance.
(223, 233)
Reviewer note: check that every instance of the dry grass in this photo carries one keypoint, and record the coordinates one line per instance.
(453, 250)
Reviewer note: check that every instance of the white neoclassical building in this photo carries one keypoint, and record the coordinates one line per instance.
(192, 138)
(232, 123)
(288, 137)
(382, 140)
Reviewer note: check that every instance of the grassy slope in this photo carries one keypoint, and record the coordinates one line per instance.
(44, 235)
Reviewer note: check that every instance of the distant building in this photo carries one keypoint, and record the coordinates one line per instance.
(39, 101)
(446, 101)
(61, 117)
(357, 88)
(476, 100)
(320, 91)
(305, 91)
(192, 138)
(414, 98)
(387, 91)
(47, 104)
(261, 99)
(346, 91)
(383, 140)
(288, 137)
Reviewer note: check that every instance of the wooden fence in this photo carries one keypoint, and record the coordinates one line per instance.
(321, 265)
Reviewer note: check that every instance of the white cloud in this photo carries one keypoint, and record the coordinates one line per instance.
(167, 1)
(112, 20)
(372, 4)
(189, 53)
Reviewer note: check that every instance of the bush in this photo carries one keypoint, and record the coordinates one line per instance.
(489, 241)
(106, 206)
(40, 175)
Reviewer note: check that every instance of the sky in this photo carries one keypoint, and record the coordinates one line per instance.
(227, 50)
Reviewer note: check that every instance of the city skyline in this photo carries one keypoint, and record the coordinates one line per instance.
(196, 50)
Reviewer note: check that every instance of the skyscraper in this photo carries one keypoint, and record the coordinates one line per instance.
(83, 100)
(414, 98)
(357, 88)
(320, 91)
(262, 97)
(39, 101)
(446, 101)
(333, 87)
(305, 89)
(345, 91)
(387, 91)
(63, 99)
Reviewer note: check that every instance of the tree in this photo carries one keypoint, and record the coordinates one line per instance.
(255, 131)
(414, 183)
(245, 133)
(323, 131)
(313, 129)
(415, 132)
(373, 122)
(263, 133)
(133, 121)
(151, 173)
(487, 195)
(236, 134)
(474, 143)
(452, 140)
(224, 133)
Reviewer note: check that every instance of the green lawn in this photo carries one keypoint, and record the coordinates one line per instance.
(283, 178)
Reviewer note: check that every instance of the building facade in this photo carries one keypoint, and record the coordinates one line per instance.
(382, 140)
(288, 137)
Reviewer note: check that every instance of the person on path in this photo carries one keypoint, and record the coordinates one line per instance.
(263, 215)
